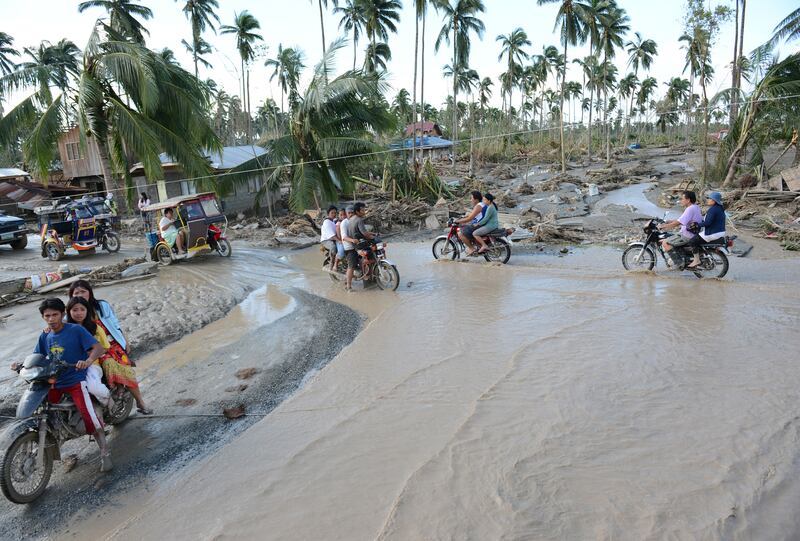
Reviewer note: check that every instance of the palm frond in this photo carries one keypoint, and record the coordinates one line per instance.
(39, 147)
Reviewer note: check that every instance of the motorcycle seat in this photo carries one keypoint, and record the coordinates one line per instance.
(498, 233)
(716, 242)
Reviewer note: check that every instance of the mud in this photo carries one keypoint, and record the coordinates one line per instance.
(551, 398)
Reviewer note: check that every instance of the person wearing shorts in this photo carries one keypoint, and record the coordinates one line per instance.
(169, 232)
(466, 232)
(328, 236)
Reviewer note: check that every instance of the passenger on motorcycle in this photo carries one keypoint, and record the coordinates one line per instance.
(339, 244)
(169, 232)
(487, 224)
(712, 226)
(478, 211)
(81, 313)
(357, 234)
(692, 214)
(328, 236)
(69, 343)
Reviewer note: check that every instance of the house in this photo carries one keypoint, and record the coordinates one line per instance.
(243, 197)
(17, 189)
(423, 128)
(432, 147)
(81, 161)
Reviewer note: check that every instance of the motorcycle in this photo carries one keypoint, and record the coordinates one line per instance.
(379, 269)
(106, 235)
(450, 246)
(30, 444)
(641, 255)
(217, 241)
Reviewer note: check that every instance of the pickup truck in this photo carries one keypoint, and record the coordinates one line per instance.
(13, 231)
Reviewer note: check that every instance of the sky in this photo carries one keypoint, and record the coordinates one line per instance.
(295, 23)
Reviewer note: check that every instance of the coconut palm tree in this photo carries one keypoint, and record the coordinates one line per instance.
(6, 51)
(163, 110)
(738, 58)
(376, 57)
(198, 49)
(641, 53)
(613, 27)
(513, 49)
(381, 17)
(352, 21)
(401, 106)
(589, 13)
(788, 29)
(200, 14)
(460, 20)
(122, 16)
(321, 20)
(244, 27)
(334, 120)
(287, 65)
(466, 80)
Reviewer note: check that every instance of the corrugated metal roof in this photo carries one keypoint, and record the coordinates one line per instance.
(428, 142)
(12, 172)
(229, 158)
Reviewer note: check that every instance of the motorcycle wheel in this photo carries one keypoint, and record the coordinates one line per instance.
(123, 404)
(720, 267)
(111, 242)
(54, 251)
(163, 255)
(500, 252)
(386, 276)
(647, 261)
(20, 479)
(224, 247)
(444, 249)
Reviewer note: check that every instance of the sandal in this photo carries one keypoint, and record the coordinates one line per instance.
(690, 266)
(483, 250)
(145, 411)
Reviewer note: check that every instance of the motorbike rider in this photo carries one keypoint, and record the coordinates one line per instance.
(712, 226)
(358, 237)
(339, 244)
(70, 343)
(487, 224)
(111, 204)
(691, 214)
(476, 215)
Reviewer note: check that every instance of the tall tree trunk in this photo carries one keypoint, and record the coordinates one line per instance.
(455, 93)
(607, 126)
(422, 69)
(249, 126)
(734, 69)
(705, 124)
(322, 27)
(471, 139)
(414, 99)
(110, 180)
(355, 44)
(744, 137)
(561, 112)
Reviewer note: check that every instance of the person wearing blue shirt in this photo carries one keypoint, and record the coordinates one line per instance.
(712, 227)
(73, 345)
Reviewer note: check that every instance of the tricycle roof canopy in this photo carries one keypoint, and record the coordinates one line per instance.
(175, 201)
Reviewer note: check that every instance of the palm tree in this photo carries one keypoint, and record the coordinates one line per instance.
(381, 17)
(163, 110)
(589, 13)
(641, 53)
(287, 66)
(335, 120)
(614, 25)
(460, 19)
(466, 80)
(321, 20)
(627, 90)
(200, 14)
(571, 16)
(122, 16)
(244, 26)
(788, 29)
(6, 50)
(401, 106)
(485, 93)
(376, 56)
(352, 21)
(574, 91)
(198, 49)
(513, 49)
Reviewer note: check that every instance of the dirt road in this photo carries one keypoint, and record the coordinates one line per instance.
(552, 398)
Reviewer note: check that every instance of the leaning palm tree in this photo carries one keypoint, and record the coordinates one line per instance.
(513, 49)
(335, 120)
(160, 108)
(122, 16)
(460, 20)
(244, 27)
(381, 17)
(200, 14)
(6, 51)
(352, 21)
(570, 17)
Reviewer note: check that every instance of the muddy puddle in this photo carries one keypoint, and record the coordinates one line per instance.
(632, 196)
(553, 398)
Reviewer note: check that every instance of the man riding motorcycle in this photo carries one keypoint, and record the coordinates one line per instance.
(691, 215)
(357, 242)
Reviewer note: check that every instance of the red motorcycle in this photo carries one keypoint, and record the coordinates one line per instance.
(217, 241)
(450, 246)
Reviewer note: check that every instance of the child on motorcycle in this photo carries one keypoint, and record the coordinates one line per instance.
(81, 313)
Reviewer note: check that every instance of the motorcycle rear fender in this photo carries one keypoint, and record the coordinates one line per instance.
(21, 426)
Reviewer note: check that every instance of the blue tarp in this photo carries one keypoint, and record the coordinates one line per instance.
(426, 142)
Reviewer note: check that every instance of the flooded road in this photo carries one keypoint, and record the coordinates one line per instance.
(554, 398)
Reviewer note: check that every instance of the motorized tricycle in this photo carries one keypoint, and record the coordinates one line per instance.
(73, 225)
(30, 444)
(198, 218)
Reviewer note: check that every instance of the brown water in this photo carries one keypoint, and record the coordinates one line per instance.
(548, 399)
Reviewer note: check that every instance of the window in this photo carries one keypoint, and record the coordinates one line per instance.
(193, 210)
(210, 207)
(253, 185)
(188, 187)
(73, 151)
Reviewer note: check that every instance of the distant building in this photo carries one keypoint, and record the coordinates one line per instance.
(81, 162)
(241, 200)
(17, 189)
(423, 128)
(435, 148)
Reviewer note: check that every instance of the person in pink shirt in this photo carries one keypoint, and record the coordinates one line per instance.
(692, 214)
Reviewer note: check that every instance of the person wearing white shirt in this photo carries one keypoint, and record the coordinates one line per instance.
(328, 237)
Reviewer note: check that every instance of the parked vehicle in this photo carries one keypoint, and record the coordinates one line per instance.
(379, 270)
(13, 231)
(200, 218)
(641, 255)
(72, 224)
(449, 246)
(30, 444)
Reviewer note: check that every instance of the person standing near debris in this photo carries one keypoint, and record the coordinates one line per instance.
(692, 214)
(328, 236)
(111, 204)
(144, 201)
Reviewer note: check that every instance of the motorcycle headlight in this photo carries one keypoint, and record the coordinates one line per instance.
(380, 246)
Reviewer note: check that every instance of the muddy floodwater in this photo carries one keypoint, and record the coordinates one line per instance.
(553, 398)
